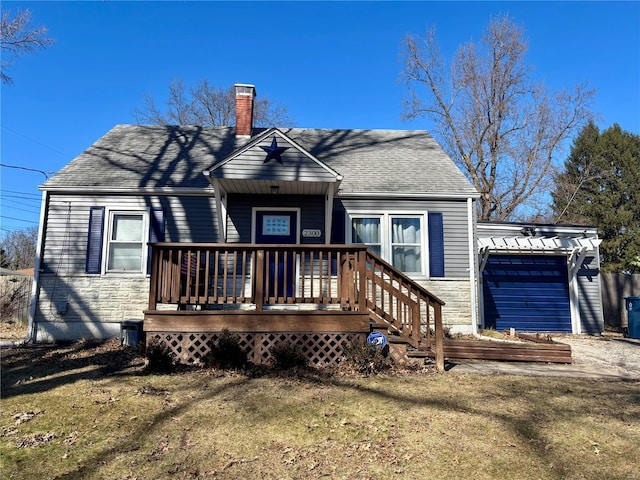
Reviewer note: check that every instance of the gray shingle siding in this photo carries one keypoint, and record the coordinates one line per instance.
(187, 219)
(590, 298)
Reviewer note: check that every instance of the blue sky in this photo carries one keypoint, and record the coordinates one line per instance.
(333, 64)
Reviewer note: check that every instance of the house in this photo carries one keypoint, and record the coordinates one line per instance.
(540, 278)
(202, 195)
(314, 236)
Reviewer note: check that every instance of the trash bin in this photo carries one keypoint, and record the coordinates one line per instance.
(130, 333)
(633, 314)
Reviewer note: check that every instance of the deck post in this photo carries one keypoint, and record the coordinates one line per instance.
(258, 280)
(362, 280)
(153, 280)
(415, 320)
(439, 333)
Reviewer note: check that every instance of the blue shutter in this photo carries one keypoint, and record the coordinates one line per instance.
(337, 227)
(436, 245)
(94, 240)
(156, 231)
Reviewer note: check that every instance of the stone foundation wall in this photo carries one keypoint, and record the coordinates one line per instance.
(91, 307)
(456, 314)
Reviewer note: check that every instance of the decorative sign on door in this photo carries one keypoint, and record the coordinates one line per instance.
(276, 225)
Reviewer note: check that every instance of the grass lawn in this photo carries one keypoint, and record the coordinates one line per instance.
(89, 411)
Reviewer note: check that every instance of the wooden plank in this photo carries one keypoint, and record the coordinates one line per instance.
(264, 321)
(153, 289)
(505, 345)
(439, 340)
(486, 350)
(535, 337)
(258, 280)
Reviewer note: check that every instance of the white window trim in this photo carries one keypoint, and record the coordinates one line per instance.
(109, 214)
(422, 244)
(385, 227)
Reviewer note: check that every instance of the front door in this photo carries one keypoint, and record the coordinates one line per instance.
(278, 227)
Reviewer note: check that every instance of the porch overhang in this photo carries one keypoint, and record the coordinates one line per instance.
(271, 186)
(273, 164)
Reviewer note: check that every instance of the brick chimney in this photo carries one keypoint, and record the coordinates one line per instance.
(244, 109)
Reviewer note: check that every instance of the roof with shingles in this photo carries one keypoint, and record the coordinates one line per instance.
(371, 161)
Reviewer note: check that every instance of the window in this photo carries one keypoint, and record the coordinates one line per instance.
(406, 244)
(126, 234)
(367, 230)
(401, 239)
(126, 242)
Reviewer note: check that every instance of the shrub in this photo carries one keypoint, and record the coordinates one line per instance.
(160, 358)
(288, 355)
(365, 358)
(226, 352)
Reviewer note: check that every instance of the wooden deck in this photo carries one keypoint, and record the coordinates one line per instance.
(264, 321)
(330, 293)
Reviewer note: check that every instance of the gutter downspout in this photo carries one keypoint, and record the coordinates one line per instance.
(472, 268)
(35, 288)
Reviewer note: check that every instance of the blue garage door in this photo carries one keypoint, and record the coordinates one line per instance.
(527, 292)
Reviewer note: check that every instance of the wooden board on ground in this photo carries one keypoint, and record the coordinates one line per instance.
(521, 352)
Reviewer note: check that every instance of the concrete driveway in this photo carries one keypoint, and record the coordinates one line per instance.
(607, 357)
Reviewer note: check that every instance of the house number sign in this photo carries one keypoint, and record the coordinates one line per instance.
(311, 233)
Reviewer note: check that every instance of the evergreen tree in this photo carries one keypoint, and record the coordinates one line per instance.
(600, 186)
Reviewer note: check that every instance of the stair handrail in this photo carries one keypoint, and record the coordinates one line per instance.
(414, 335)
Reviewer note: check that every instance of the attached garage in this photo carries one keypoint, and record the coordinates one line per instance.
(527, 292)
(539, 278)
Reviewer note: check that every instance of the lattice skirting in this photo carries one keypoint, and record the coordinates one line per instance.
(321, 348)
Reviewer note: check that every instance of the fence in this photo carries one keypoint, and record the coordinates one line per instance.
(15, 293)
(616, 286)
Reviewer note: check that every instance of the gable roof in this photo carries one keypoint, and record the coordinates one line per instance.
(272, 158)
(138, 157)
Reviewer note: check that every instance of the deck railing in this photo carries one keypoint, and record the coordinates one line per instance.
(210, 276)
(345, 277)
(403, 305)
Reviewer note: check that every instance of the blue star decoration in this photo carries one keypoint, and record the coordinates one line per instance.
(274, 151)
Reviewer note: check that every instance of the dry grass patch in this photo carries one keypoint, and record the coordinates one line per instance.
(10, 330)
(89, 412)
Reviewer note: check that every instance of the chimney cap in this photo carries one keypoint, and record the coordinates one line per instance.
(245, 89)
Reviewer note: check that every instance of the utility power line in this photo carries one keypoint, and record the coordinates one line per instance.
(18, 219)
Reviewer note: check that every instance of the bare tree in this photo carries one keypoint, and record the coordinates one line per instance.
(207, 105)
(17, 39)
(19, 248)
(503, 129)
